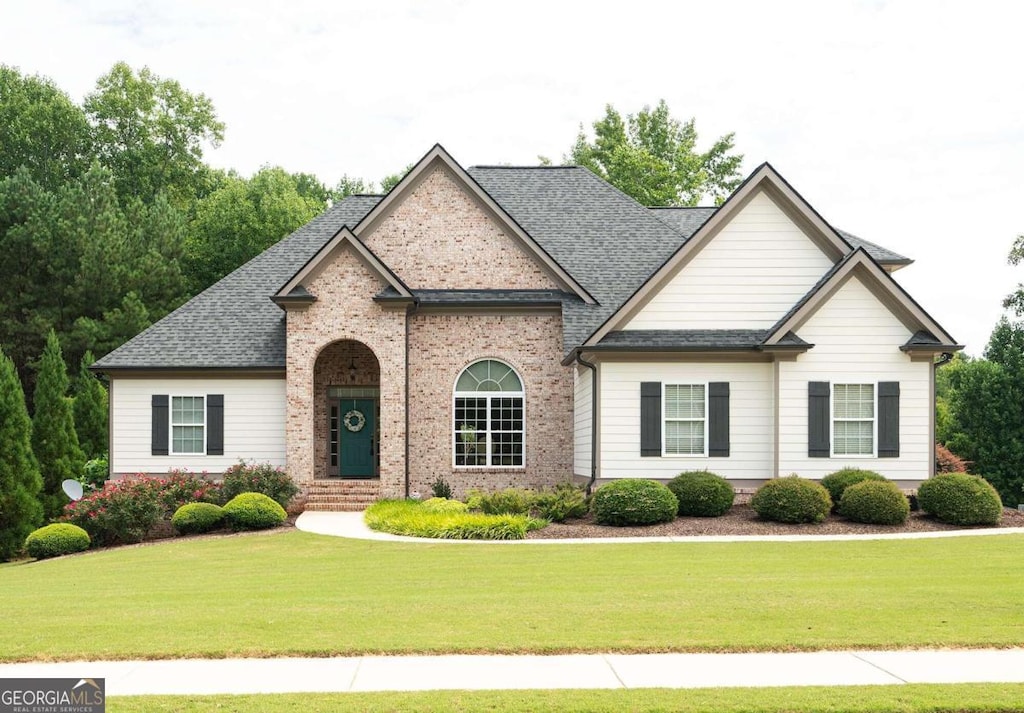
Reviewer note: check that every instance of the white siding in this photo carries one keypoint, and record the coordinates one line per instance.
(582, 410)
(748, 276)
(856, 340)
(253, 423)
(750, 411)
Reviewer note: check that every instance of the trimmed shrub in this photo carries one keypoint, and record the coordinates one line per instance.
(197, 518)
(634, 502)
(791, 499)
(875, 503)
(444, 505)
(960, 499)
(836, 483)
(254, 511)
(565, 501)
(408, 517)
(258, 478)
(511, 501)
(702, 494)
(60, 538)
(440, 488)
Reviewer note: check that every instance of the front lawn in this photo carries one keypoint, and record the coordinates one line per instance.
(295, 593)
(963, 698)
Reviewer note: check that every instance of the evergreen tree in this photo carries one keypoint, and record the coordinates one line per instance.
(90, 411)
(20, 482)
(53, 428)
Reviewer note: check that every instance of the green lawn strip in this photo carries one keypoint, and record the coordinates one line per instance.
(963, 698)
(300, 594)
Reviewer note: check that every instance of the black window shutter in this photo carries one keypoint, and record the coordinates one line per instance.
(718, 419)
(215, 424)
(161, 425)
(650, 418)
(818, 445)
(888, 419)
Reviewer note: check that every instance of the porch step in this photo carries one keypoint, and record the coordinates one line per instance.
(342, 495)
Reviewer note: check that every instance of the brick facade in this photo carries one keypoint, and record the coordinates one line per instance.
(438, 236)
(440, 347)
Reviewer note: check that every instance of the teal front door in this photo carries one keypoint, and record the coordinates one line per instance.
(357, 438)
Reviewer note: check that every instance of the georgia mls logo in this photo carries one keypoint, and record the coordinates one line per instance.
(52, 695)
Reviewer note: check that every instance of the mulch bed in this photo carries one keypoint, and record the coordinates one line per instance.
(742, 520)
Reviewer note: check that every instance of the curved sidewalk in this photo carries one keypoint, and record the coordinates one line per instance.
(351, 525)
(425, 673)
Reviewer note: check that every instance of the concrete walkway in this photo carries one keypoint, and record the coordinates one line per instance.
(423, 673)
(351, 525)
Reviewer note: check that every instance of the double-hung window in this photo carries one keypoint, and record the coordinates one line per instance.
(188, 424)
(489, 422)
(853, 419)
(685, 409)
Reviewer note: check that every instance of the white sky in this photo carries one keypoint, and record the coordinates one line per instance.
(901, 122)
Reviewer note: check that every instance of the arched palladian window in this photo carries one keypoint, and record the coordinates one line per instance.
(489, 423)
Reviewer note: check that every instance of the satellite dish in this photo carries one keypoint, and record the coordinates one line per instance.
(73, 489)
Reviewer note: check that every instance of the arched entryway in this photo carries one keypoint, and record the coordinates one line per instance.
(346, 389)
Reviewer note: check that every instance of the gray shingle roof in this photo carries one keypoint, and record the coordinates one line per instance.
(483, 297)
(603, 238)
(692, 339)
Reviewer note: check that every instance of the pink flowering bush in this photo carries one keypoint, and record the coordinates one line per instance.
(125, 511)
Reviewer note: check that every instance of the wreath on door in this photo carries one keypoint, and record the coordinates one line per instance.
(354, 421)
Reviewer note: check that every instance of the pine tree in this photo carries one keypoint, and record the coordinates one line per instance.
(54, 440)
(20, 482)
(90, 410)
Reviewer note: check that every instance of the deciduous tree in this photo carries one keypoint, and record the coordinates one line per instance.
(654, 158)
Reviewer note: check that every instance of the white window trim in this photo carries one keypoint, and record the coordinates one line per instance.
(488, 395)
(832, 418)
(170, 424)
(664, 420)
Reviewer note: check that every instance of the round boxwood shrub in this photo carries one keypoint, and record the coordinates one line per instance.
(875, 503)
(836, 483)
(634, 502)
(960, 499)
(444, 505)
(702, 494)
(792, 499)
(196, 518)
(61, 538)
(254, 511)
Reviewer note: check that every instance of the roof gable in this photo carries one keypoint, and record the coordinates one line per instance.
(764, 180)
(342, 238)
(882, 286)
(437, 157)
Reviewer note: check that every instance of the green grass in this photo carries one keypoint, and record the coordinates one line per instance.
(964, 698)
(300, 594)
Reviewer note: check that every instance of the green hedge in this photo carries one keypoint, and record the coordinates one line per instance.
(61, 538)
(254, 511)
(565, 501)
(702, 494)
(197, 518)
(960, 499)
(634, 502)
(792, 500)
(875, 503)
(836, 483)
(411, 518)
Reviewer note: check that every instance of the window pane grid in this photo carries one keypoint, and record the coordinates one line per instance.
(489, 430)
(685, 413)
(188, 416)
(853, 414)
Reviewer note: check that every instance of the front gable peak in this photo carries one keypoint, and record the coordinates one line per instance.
(424, 174)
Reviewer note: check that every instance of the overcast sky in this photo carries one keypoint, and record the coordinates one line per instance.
(901, 122)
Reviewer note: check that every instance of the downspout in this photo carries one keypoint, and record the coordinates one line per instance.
(593, 419)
